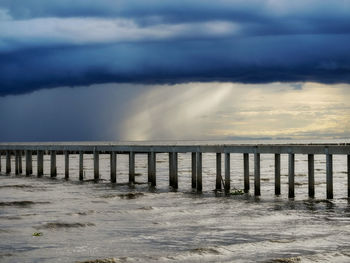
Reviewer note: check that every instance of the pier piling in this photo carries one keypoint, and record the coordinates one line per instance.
(20, 162)
(40, 166)
(96, 165)
(311, 175)
(329, 175)
(246, 172)
(194, 169)
(291, 175)
(53, 170)
(28, 162)
(16, 162)
(277, 174)
(199, 172)
(257, 191)
(131, 167)
(348, 162)
(66, 164)
(113, 167)
(227, 173)
(81, 166)
(153, 161)
(218, 185)
(8, 162)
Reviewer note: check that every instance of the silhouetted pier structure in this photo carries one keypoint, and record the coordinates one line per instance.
(17, 150)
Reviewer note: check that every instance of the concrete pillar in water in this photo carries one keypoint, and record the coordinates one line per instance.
(311, 174)
(152, 170)
(96, 165)
(174, 171)
(8, 162)
(257, 191)
(53, 170)
(227, 173)
(20, 162)
(329, 175)
(194, 169)
(16, 162)
(246, 172)
(291, 175)
(349, 175)
(28, 161)
(131, 167)
(113, 167)
(277, 174)
(40, 160)
(66, 164)
(81, 166)
(199, 172)
(218, 185)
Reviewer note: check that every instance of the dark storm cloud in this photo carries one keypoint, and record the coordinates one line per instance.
(55, 43)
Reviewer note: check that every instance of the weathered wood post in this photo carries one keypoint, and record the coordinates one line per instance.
(173, 182)
(199, 172)
(194, 169)
(153, 169)
(81, 166)
(246, 172)
(131, 167)
(218, 172)
(16, 162)
(349, 175)
(20, 162)
(53, 164)
(257, 191)
(0, 161)
(96, 165)
(329, 174)
(66, 164)
(311, 175)
(40, 160)
(149, 167)
(28, 162)
(277, 174)
(8, 162)
(175, 171)
(227, 173)
(291, 175)
(113, 165)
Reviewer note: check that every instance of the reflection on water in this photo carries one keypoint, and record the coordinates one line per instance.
(54, 220)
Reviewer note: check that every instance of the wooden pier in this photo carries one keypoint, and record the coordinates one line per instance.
(17, 150)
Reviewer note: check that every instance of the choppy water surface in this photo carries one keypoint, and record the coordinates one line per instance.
(89, 221)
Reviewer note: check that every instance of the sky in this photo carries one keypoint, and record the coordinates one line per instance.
(164, 69)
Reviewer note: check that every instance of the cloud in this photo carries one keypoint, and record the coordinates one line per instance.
(46, 44)
(183, 111)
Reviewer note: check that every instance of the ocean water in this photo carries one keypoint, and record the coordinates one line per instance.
(88, 221)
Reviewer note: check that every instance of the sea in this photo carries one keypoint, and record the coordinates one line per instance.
(58, 220)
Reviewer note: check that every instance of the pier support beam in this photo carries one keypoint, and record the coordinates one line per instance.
(28, 162)
(291, 175)
(40, 160)
(96, 166)
(329, 175)
(199, 172)
(227, 173)
(152, 169)
(194, 169)
(218, 185)
(113, 167)
(277, 174)
(257, 191)
(66, 164)
(16, 162)
(81, 166)
(0, 161)
(131, 167)
(53, 170)
(8, 162)
(246, 172)
(311, 175)
(173, 177)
